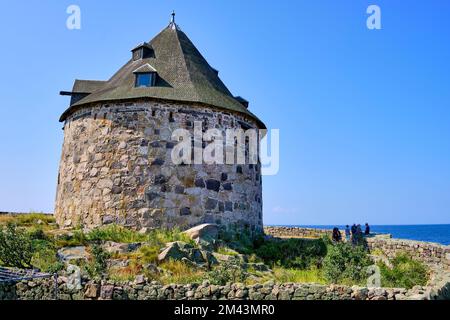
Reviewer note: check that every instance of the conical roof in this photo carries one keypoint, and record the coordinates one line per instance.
(183, 75)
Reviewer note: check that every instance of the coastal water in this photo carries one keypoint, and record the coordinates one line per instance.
(439, 233)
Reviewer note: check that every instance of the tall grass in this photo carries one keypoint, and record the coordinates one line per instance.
(180, 273)
(121, 234)
(27, 219)
(312, 275)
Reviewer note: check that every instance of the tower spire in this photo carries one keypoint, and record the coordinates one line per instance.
(172, 23)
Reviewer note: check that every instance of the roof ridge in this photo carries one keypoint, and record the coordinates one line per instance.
(184, 60)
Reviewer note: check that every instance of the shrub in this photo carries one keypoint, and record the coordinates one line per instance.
(37, 233)
(241, 240)
(98, 265)
(77, 238)
(16, 248)
(45, 260)
(292, 253)
(346, 264)
(229, 271)
(405, 272)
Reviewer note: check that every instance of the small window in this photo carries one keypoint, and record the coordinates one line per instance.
(145, 79)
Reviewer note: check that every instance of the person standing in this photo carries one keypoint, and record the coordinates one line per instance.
(347, 233)
(353, 231)
(367, 230)
(337, 237)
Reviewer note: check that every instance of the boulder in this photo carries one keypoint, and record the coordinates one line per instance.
(175, 250)
(206, 231)
(120, 248)
(185, 252)
(68, 254)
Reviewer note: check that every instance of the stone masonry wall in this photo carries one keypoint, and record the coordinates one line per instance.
(45, 290)
(116, 168)
(296, 232)
(430, 253)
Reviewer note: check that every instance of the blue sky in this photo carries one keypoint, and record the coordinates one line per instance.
(364, 115)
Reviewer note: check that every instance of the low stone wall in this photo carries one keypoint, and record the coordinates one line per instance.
(296, 232)
(432, 254)
(44, 290)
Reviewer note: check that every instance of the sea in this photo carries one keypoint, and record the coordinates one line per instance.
(438, 233)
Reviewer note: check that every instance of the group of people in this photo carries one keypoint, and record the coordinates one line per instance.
(353, 234)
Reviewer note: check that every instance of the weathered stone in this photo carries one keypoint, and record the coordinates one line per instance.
(123, 166)
(211, 204)
(212, 184)
(106, 292)
(120, 248)
(69, 254)
(229, 206)
(174, 250)
(91, 290)
(185, 211)
(200, 183)
(205, 231)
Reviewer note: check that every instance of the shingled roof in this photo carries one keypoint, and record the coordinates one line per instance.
(183, 75)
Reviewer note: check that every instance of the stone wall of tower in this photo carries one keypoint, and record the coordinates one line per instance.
(116, 168)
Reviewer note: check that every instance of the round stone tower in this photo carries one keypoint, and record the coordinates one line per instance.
(116, 164)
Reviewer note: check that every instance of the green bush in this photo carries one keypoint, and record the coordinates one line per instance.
(345, 263)
(229, 271)
(46, 260)
(292, 253)
(16, 249)
(37, 233)
(405, 273)
(98, 265)
(77, 238)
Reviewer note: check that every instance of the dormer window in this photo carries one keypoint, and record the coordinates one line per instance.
(145, 79)
(142, 51)
(145, 76)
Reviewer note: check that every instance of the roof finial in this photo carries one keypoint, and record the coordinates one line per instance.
(172, 24)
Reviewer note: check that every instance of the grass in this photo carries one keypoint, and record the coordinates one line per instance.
(226, 251)
(123, 274)
(312, 275)
(405, 272)
(29, 220)
(377, 252)
(180, 273)
(292, 260)
(121, 234)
